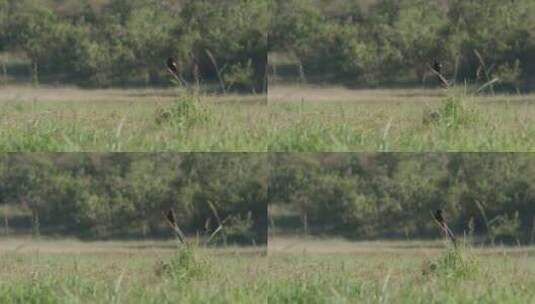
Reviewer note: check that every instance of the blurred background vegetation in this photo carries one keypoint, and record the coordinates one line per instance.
(393, 195)
(127, 42)
(378, 42)
(356, 42)
(123, 195)
(360, 196)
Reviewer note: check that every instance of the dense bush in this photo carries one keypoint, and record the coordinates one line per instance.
(358, 195)
(102, 195)
(116, 41)
(375, 195)
(387, 40)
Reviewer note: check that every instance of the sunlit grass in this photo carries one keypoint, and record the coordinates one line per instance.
(295, 271)
(294, 119)
(129, 272)
(398, 272)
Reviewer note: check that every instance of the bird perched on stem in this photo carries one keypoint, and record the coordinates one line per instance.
(172, 65)
(437, 71)
(170, 216)
(174, 69)
(439, 218)
(437, 66)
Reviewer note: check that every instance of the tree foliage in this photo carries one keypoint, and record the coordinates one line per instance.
(356, 195)
(386, 40)
(378, 195)
(104, 195)
(116, 41)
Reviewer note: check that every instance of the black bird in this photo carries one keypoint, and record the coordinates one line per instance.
(171, 217)
(172, 65)
(444, 226)
(438, 216)
(437, 70)
(174, 68)
(437, 66)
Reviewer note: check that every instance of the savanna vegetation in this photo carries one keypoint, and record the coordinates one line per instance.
(115, 205)
(489, 197)
(335, 271)
(350, 43)
(101, 196)
(361, 196)
(122, 42)
(69, 271)
(152, 272)
(322, 120)
(329, 216)
(374, 42)
(357, 75)
(349, 228)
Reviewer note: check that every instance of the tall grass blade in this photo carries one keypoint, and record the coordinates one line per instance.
(218, 71)
(488, 84)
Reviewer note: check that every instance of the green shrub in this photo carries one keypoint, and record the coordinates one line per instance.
(239, 230)
(29, 292)
(503, 226)
(454, 263)
(187, 111)
(456, 112)
(393, 40)
(186, 265)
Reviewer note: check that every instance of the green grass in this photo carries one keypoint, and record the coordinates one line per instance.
(115, 120)
(129, 272)
(309, 271)
(397, 273)
(336, 119)
(295, 119)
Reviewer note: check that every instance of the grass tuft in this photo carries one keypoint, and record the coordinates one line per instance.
(327, 120)
(186, 265)
(454, 263)
(187, 111)
(456, 112)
